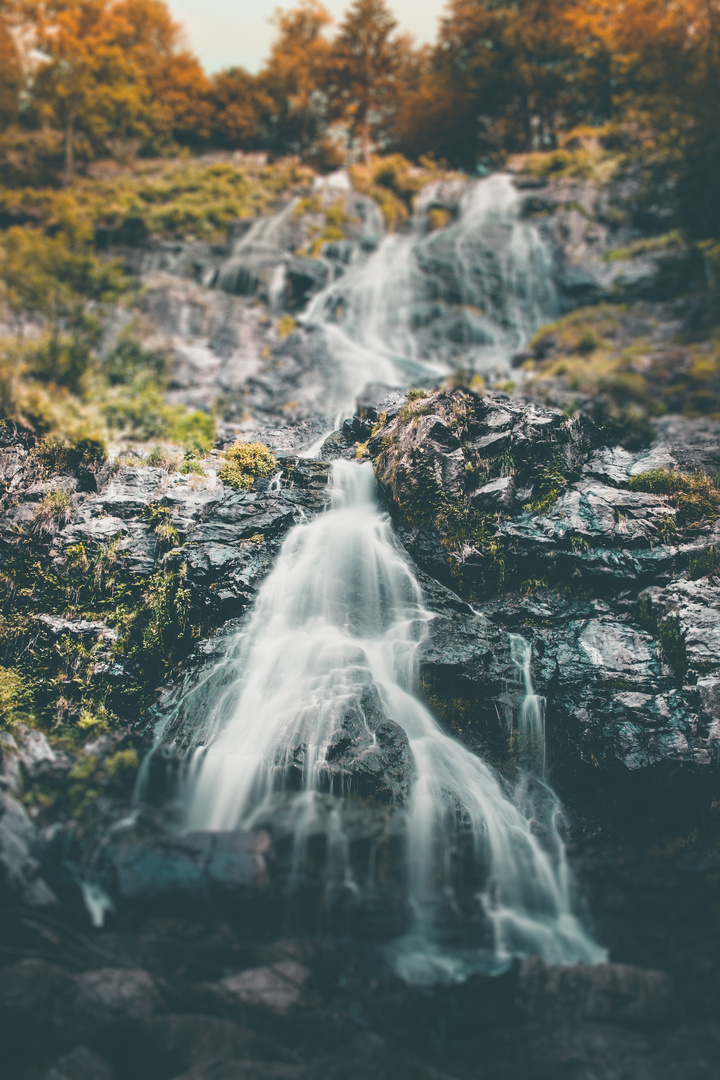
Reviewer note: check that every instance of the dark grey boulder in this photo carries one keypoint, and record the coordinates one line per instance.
(31, 988)
(108, 999)
(79, 1064)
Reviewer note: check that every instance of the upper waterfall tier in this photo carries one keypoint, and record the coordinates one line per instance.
(407, 308)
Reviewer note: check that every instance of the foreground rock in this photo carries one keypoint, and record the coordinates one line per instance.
(311, 1012)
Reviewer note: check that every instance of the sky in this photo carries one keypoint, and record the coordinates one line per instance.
(223, 33)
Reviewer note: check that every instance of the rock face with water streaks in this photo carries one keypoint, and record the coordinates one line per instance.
(625, 651)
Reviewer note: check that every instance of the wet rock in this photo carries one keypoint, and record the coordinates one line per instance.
(79, 1064)
(604, 993)
(131, 490)
(305, 473)
(368, 753)
(303, 278)
(30, 989)
(337, 446)
(372, 1056)
(243, 1069)
(20, 878)
(496, 495)
(187, 871)
(464, 663)
(377, 398)
(36, 755)
(277, 988)
(78, 628)
(108, 998)
(696, 606)
(185, 1040)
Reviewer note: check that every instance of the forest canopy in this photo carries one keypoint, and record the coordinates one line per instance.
(88, 79)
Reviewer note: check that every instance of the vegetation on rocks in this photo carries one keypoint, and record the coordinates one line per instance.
(626, 364)
(452, 477)
(61, 678)
(695, 497)
(246, 462)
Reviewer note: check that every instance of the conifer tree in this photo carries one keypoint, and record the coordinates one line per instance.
(364, 74)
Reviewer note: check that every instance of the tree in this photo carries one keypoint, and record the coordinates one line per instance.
(178, 92)
(88, 84)
(363, 80)
(665, 76)
(294, 76)
(504, 78)
(10, 73)
(240, 106)
(60, 282)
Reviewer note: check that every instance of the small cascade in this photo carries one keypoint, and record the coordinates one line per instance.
(528, 725)
(327, 661)
(465, 296)
(504, 268)
(258, 256)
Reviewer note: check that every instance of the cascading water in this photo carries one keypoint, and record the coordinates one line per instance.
(258, 255)
(464, 296)
(529, 726)
(336, 622)
(324, 667)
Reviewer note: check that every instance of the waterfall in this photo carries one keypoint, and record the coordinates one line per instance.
(424, 303)
(315, 696)
(258, 255)
(529, 725)
(335, 626)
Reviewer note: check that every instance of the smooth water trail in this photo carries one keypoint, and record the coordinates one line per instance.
(258, 255)
(336, 626)
(529, 726)
(484, 282)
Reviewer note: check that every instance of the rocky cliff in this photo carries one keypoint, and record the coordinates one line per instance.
(132, 948)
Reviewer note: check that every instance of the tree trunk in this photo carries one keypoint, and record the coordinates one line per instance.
(69, 172)
(366, 141)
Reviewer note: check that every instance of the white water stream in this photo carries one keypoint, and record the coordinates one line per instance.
(340, 617)
(340, 612)
(503, 281)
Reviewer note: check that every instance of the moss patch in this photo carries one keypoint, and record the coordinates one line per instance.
(246, 462)
(695, 496)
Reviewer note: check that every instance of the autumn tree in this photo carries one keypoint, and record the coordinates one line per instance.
(502, 77)
(88, 84)
(363, 78)
(177, 101)
(295, 74)
(240, 106)
(664, 60)
(10, 71)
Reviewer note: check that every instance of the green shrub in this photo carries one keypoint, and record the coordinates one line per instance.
(15, 695)
(191, 464)
(121, 767)
(657, 482)
(244, 463)
(84, 451)
(672, 642)
(53, 512)
(195, 430)
(162, 458)
(704, 564)
(547, 489)
(695, 496)
(129, 359)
